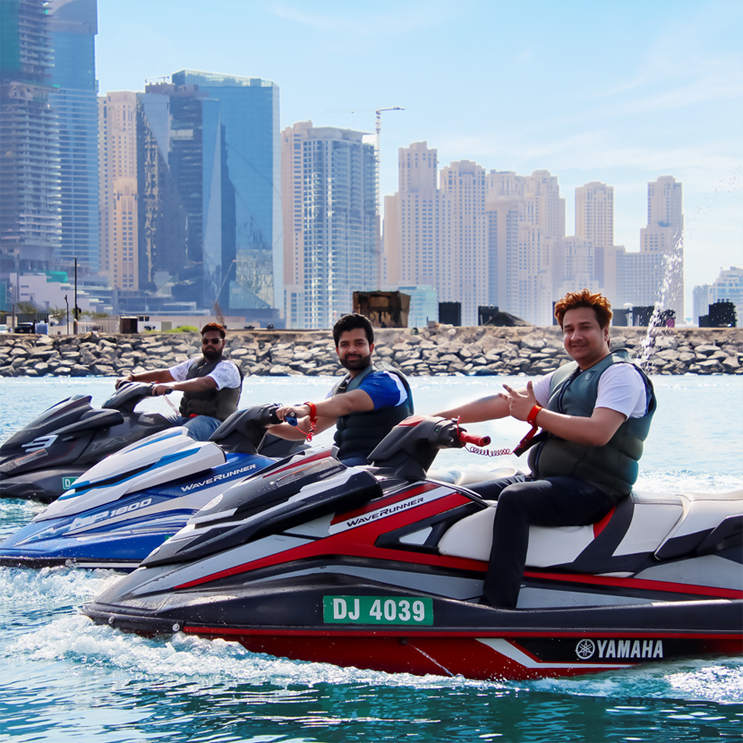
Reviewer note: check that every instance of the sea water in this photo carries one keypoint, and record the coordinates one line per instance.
(64, 679)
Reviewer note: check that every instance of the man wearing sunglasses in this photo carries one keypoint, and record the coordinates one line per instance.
(211, 385)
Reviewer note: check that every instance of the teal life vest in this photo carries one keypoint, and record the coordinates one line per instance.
(613, 468)
(220, 404)
(359, 433)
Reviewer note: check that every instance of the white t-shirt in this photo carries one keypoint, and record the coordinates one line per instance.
(225, 373)
(621, 388)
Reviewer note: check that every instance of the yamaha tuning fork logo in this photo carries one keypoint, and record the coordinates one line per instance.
(585, 649)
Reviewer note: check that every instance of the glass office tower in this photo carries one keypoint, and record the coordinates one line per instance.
(251, 242)
(180, 126)
(73, 98)
(29, 166)
(162, 217)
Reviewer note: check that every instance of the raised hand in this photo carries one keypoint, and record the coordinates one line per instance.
(520, 402)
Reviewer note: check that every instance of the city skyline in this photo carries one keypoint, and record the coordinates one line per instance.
(619, 95)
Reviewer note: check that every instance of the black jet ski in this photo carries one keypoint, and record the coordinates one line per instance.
(44, 458)
(380, 567)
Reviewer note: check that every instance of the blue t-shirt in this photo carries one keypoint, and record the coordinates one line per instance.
(386, 390)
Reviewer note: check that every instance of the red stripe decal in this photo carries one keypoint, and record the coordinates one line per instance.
(481, 633)
(377, 504)
(639, 583)
(324, 454)
(599, 526)
(359, 542)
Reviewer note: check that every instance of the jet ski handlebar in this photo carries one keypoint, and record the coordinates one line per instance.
(128, 395)
(468, 438)
(267, 415)
(410, 448)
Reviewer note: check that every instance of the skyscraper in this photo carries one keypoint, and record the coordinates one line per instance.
(477, 239)
(594, 214)
(594, 222)
(181, 146)
(330, 222)
(665, 235)
(416, 221)
(655, 275)
(525, 214)
(573, 265)
(464, 276)
(437, 236)
(30, 217)
(73, 98)
(252, 244)
(162, 217)
(119, 195)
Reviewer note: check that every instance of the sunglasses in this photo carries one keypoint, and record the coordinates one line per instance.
(207, 341)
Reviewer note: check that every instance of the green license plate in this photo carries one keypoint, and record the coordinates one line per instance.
(377, 610)
(68, 482)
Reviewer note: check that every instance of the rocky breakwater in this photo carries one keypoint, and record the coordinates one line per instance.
(442, 350)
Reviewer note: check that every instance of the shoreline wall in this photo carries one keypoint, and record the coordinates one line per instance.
(443, 350)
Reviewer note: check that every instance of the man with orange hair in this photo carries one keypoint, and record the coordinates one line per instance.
(594, 413)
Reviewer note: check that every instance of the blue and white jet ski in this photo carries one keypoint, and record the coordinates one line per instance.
(121, 509)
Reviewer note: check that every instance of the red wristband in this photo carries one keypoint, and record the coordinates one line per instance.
(313, 420)
(533, 413)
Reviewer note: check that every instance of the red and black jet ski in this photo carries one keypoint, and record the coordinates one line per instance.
(379, 567)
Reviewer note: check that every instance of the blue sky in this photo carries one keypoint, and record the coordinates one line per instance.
(620, 92)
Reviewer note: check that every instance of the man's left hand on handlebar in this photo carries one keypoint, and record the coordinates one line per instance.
(292, 411)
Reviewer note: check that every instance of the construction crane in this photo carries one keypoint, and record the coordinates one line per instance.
(377, 157)
(379, 124)
(377, 152)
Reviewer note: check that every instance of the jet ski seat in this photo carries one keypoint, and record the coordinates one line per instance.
(638, 525)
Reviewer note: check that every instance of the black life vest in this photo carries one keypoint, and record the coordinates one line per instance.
(358, 434)
(220, 404)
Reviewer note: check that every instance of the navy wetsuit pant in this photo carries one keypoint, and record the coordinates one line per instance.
(554, 501)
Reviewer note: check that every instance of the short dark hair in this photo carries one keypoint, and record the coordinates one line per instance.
(597, 302)
(351, 322)
(213, 327)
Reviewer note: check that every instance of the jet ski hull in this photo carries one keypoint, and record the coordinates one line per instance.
(124, 507)
(383, 629)
(43, 487)
(119, 535)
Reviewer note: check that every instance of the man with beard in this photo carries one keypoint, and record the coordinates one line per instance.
(211, 385)
(366, 404)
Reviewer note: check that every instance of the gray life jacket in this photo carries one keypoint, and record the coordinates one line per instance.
(613, 468)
